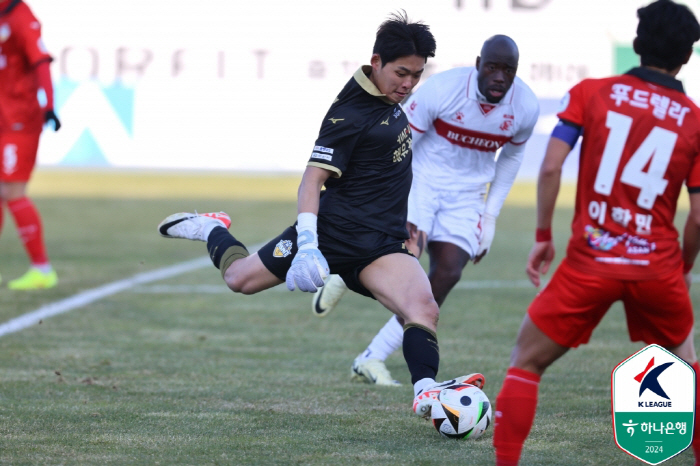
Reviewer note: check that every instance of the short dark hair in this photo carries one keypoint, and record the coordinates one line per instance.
(665, 34)
(397, 37)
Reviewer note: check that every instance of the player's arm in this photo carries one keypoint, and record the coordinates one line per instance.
(691, 236)
(43, 77)
(29, 36)
(561, 142)
(507, 167)
(309, 267)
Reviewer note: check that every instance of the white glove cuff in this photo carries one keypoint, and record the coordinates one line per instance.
(306, 229)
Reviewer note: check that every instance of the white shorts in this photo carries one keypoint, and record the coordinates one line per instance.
(447, 216)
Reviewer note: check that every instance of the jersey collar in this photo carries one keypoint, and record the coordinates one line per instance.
(361, 76)
(657, 77)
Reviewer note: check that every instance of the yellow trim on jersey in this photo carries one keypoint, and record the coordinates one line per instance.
(366, 84)
(336, 172)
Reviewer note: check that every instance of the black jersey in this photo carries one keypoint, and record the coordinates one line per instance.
(365, 140)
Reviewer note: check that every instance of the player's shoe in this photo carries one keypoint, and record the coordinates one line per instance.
(372, 371)
(423, 402)
(328, 296)
(34, 279)
(192, 226)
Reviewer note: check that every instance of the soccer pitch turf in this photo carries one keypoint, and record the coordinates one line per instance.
(181, 371)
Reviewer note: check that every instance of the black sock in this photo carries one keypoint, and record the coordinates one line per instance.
(421, 351)
(219, 242)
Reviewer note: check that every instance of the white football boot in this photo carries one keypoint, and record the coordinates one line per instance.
(423, 401)
(328, 296)
(193, 226)
(372, 371)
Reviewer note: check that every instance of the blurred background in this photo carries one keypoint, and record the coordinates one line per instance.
(234, 85)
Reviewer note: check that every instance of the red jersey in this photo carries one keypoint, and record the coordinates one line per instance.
(641, 141)
(21, 49)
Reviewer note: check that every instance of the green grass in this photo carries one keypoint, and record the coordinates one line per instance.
(209, 377)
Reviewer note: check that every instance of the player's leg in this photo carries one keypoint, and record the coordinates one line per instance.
(454, 239)
(516, 402)
(369, 365)
(243, 273)
(447, 260)
(18, 159)
(446, 263)
(400, 284)
(562, 316)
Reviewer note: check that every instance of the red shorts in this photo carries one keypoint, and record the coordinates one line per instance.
(572, 304)
(17, 155)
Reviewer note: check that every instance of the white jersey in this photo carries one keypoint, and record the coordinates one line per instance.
(457, 132)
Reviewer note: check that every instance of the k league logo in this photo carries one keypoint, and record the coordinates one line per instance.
(653, 403)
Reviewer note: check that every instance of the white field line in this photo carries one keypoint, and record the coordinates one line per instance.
(86, 297)
(90, 296)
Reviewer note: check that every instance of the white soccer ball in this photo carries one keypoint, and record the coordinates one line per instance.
(461, 411)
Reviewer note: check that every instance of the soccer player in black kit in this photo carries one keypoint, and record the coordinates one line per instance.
(357, 226)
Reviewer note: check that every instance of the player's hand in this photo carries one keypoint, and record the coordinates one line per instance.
(488, 230)
(50, 116)
(539, 260)
(688, 277)
(309, 268)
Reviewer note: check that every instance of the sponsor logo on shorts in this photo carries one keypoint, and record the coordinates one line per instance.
(316, 155)
(326, 150)
(283, 248)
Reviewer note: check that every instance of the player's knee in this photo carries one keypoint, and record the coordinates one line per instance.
(428, 308)
(447, 275)
(238, 281)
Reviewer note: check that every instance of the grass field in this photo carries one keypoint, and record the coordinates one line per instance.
(181, 371)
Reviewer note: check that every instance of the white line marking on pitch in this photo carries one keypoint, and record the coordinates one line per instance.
(86, 297)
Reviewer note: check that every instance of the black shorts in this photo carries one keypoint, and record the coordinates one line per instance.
(347, 253)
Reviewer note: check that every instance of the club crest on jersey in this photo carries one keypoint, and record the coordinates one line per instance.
(397, 113)
(283, 248)
(5, 32)
(459, 116)
(506, 125)
(413, 105)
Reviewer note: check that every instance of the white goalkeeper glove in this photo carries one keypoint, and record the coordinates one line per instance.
(309, 268)
(488, 230)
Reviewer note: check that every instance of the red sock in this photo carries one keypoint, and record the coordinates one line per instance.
(29, 227)
(696, 434)
(515, 411)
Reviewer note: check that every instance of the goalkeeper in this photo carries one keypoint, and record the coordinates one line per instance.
(357, 227)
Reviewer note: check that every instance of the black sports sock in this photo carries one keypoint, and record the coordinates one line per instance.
(421, 351)
(224, 248)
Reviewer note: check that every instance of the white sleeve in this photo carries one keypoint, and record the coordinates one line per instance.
(507, 167)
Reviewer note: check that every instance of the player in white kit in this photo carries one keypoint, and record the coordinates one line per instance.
(460, 119)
